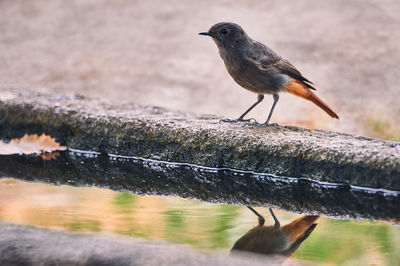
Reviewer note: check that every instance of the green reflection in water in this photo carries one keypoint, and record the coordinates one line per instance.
(205, 228)
(338, 241)
(224, 221)
(124, 202)
(176, 226)
(84, 225)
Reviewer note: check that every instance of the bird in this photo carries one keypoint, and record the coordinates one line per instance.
(257, 68)
(276, 240)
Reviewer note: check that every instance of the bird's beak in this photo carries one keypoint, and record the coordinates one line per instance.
(205, 33)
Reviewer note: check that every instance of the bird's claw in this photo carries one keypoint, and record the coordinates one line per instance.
(251, 120)
(266, 124)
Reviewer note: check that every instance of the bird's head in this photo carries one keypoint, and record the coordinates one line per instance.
(226, 33)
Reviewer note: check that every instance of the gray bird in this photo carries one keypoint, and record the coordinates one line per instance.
(257, 68)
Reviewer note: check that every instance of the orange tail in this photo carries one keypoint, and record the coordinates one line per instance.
(300, 89)
(299, 227)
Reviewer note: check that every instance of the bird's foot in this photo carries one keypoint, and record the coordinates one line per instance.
(265, 124)
(251, 120)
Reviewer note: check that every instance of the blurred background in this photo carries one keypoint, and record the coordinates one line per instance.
(148, 52)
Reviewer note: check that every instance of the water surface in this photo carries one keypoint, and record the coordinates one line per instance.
(202, 225)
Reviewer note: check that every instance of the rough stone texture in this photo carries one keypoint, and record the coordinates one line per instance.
(30, 246)
(157, 133)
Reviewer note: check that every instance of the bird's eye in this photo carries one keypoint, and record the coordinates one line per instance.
(224, 31)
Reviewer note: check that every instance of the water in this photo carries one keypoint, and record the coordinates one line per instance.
(202, 225)
(68, 197)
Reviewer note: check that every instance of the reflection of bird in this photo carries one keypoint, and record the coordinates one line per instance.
(257, 68)
(276, 240)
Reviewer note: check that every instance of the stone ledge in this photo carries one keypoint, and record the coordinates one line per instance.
(158, 133)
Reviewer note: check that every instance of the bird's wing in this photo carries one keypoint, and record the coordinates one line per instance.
(287, 68)
(261, 55)
(265, 59)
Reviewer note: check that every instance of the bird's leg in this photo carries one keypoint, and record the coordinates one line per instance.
(277, 224)
(276, 99)
(260, 97)
(261, 219)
